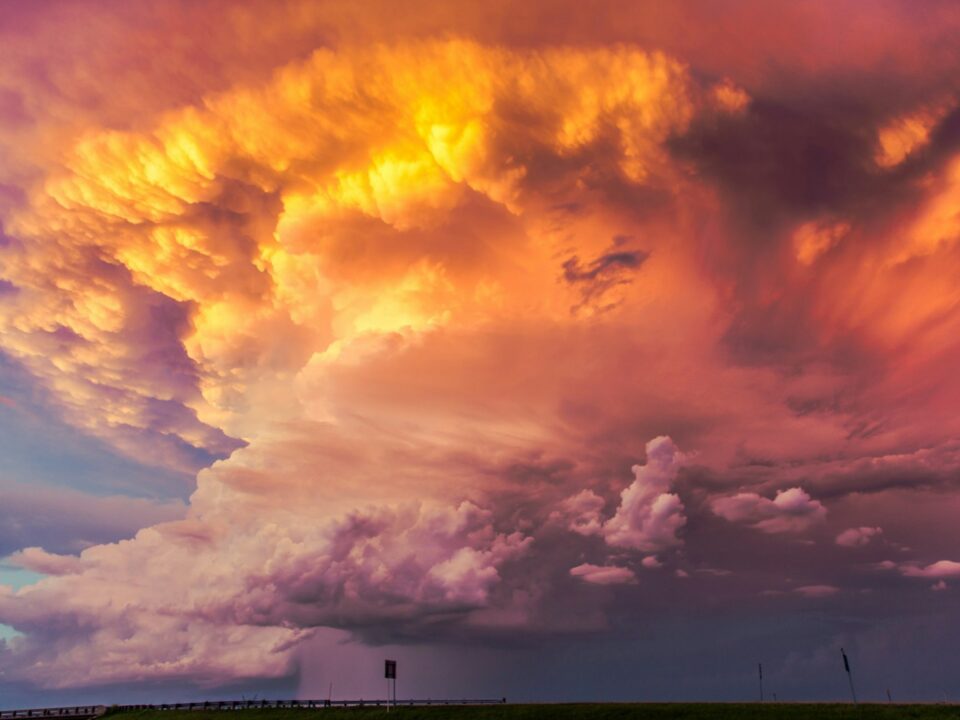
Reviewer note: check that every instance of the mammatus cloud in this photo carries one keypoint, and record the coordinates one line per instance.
(790, 511)
(858, 537)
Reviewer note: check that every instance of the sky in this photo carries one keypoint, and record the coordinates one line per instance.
(557, 350)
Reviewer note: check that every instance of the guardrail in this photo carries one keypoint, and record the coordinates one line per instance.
(306, 704)
(79, 712)
(75, 711)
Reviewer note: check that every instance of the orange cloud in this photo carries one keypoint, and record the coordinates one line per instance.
(238, 213)
(441, 285)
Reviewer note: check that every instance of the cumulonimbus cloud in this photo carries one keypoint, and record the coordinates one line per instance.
(343, 285)
(208, 273)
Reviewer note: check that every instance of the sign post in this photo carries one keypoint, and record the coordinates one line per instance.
(390, 673)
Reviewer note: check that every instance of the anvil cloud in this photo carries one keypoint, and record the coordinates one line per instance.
(471, 327)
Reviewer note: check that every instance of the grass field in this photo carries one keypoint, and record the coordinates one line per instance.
(577, 711)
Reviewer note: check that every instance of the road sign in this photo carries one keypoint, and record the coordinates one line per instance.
(390, 669)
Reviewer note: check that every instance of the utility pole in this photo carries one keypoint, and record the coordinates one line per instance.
(846, 666)
(760, 670)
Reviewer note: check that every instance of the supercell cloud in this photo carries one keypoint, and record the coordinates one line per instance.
(472, 329)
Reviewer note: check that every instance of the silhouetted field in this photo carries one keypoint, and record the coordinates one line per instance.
(575, 711)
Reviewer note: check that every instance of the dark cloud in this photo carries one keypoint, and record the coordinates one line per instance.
(603, 267)
(777, 160)
(595, 278)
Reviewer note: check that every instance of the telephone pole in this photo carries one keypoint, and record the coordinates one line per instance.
(846, 666)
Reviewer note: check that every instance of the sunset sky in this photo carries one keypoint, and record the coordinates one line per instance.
(556, 349)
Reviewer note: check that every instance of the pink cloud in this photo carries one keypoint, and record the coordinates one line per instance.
(40, 561)
(858, 537)
(604, 574)
(792, 510)
(468, 575)
(247, 570)
(582, 513)
(817, 591)
(648, 517)
(939, 569)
